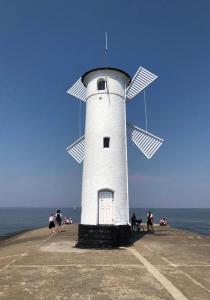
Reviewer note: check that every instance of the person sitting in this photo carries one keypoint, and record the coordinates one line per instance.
(163, 222)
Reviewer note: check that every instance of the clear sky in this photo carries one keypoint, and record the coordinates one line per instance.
(47, 45)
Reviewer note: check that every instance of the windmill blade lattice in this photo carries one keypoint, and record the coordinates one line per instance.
(76, 150)
(140, 81)
(78, 90)
(145, 141)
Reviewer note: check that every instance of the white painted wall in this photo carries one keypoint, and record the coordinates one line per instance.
(105, 168)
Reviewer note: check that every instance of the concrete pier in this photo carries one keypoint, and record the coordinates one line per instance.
(169, 264)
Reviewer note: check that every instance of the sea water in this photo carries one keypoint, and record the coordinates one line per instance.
(14, 220)
(192, 219)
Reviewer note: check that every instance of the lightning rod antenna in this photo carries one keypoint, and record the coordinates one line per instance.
(106, 49)
(106, 43)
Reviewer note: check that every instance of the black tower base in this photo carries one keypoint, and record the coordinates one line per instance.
(103, 236)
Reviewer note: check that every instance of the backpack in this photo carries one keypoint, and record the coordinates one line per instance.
(58, 217)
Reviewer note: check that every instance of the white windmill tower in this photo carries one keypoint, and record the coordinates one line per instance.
(103, 150)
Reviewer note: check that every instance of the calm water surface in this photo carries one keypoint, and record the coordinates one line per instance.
(13, 220)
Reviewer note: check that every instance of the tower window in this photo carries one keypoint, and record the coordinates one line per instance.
(101, 84)
(106, 142)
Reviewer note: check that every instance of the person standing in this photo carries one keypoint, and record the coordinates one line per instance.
(58, 219)
(51, 223)
(133, 222)
(150, 221)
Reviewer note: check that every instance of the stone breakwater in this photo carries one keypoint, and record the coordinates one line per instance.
(169, 264)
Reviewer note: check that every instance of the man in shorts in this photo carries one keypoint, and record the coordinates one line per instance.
(150, 221)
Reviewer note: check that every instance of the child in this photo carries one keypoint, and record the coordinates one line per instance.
(51, 223)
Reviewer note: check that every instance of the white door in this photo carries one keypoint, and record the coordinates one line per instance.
(105, 207)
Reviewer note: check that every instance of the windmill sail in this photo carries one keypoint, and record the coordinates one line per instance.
(140, 81)
(145, 141)
(78, 90)
(76, 150)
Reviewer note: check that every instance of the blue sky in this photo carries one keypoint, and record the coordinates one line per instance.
(47, 45)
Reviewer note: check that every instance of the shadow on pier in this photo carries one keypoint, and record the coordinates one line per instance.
(136, 236)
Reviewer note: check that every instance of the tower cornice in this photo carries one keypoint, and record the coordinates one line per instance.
(106, 69)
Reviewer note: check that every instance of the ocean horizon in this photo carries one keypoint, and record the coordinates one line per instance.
(17, 219)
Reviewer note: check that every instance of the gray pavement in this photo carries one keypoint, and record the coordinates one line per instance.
(169, 264)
